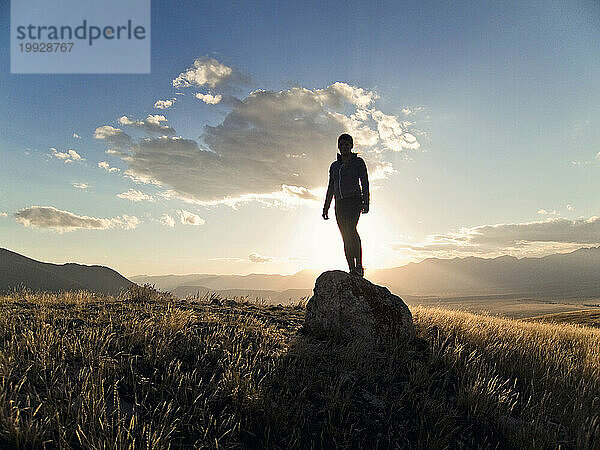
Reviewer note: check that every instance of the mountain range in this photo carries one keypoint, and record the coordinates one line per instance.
(575, 274)
(18, 271)
(567, 275)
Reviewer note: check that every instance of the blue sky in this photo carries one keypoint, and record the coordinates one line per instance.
(502, 98)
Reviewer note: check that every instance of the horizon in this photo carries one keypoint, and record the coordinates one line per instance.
(308, 269)
(478, 124)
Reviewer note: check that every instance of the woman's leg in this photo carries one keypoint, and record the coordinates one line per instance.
(341, 217)
(355, 237)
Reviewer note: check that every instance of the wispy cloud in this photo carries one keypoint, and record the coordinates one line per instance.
(80, 185)
(518, 239)
(167, 220)
(151, 124)
(135, 196)
(67, 157)
(65, 221)
(189, 218)
(164, 104)
(104, 165)
(256, 258)
(115, 137)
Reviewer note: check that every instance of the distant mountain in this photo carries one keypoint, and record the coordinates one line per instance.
(18, 271)
(575, 274)
(570, 275)
(305, 279)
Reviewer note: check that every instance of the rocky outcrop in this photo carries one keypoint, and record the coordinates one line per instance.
(347, 307)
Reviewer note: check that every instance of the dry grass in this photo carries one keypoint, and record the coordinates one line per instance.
(588, 317)
(147, 371)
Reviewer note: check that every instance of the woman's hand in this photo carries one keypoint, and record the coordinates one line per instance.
(325, 214)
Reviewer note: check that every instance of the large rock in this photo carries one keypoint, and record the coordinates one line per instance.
(348, 307)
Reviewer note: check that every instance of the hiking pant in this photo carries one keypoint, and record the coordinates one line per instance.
(347, 213)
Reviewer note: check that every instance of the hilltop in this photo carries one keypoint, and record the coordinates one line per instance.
(149, 370)
(18, 271)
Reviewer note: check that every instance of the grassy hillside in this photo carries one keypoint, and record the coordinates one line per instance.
(589, 318)
(148, 371)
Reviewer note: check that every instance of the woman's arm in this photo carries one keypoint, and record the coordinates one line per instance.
(364, 184)
(329, 194)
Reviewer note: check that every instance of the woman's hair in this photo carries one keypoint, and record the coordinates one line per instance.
(346, 137)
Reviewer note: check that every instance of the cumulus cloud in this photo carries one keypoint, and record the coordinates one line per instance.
(65, 221)
(80, 185)
(255, 257)
(68, 157)
(189, 218)
(3, 214)
(570, 207)
(544, 212)
(271, 145)
(115, 137)
(135, 196)
(76, 136)
(164, 104)
(300, 192)
(104, 165)
(209, 99)
(393, 133)
(151, 124)
(204, 72)
(518, 239)
(167, 220)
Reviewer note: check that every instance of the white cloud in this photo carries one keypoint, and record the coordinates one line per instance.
(65, 221)
(3, 214)
(151, 124)
(204, 72)
(135, 196)
(167, 220)
(104, 165)
(68, 157)
(570, 207)
(189, 218)
(393, 133)
(273, 147)
(544, 212)
(76, 136)
(255, 257)
(80, 185)
(209, 99)
(519, 239)
(164, 104)
(115, 137)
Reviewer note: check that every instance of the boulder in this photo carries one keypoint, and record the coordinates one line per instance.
(348, 307)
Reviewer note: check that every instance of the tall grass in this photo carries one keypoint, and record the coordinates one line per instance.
(145, 370)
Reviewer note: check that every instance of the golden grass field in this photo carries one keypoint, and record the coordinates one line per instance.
(148, 371)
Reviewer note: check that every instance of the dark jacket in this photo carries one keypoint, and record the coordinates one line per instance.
(343, 180)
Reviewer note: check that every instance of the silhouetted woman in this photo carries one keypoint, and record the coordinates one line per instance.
(350, 199)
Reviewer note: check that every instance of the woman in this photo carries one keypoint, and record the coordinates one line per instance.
(350, 199)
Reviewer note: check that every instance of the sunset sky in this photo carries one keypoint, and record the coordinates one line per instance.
(479, 123)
